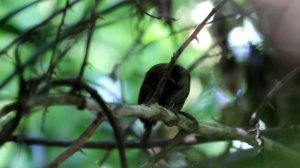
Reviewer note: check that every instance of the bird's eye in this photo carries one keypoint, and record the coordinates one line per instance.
(171, 83)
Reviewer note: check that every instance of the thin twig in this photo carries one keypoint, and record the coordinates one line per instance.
(141, 8)
(134, 44)
(255, 115)
(88, 42)
(76, 28)
(105, 145)
(58, 33)
(178, 52)
(29, 31)
(166, 150)
(108, 113)
(78, 143)
(204, 56)
(11, 14)
(105, 157)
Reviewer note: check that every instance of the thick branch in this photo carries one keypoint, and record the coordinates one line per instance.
(156, 112)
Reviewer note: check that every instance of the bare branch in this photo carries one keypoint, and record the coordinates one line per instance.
(166, 149)
(88, 41)
(58, 33)
(272, 92)
(178, 52)
(100, 102)
(156, 112)
(79, 142)
(11, 14)
(107, 145)
(29, 31)
(74, 29)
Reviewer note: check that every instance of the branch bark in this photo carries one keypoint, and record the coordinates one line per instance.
(158, 113)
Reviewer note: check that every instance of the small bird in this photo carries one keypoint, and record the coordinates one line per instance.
(173, 95)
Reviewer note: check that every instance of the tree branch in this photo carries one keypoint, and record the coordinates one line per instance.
(107, 145)
(158, 113)
(100, 103)
(178, 52)
(76, 145)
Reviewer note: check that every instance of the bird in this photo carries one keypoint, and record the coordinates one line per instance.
(173, 95)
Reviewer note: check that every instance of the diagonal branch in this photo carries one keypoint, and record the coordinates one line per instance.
(11, 14)
(29, 31)
(178, 52)
(58, 33)
(100, 103)
(74, 29)
(79, 142)
(88, 41)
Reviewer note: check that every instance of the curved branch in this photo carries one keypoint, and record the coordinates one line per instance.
(100, 102)
(158, 113)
